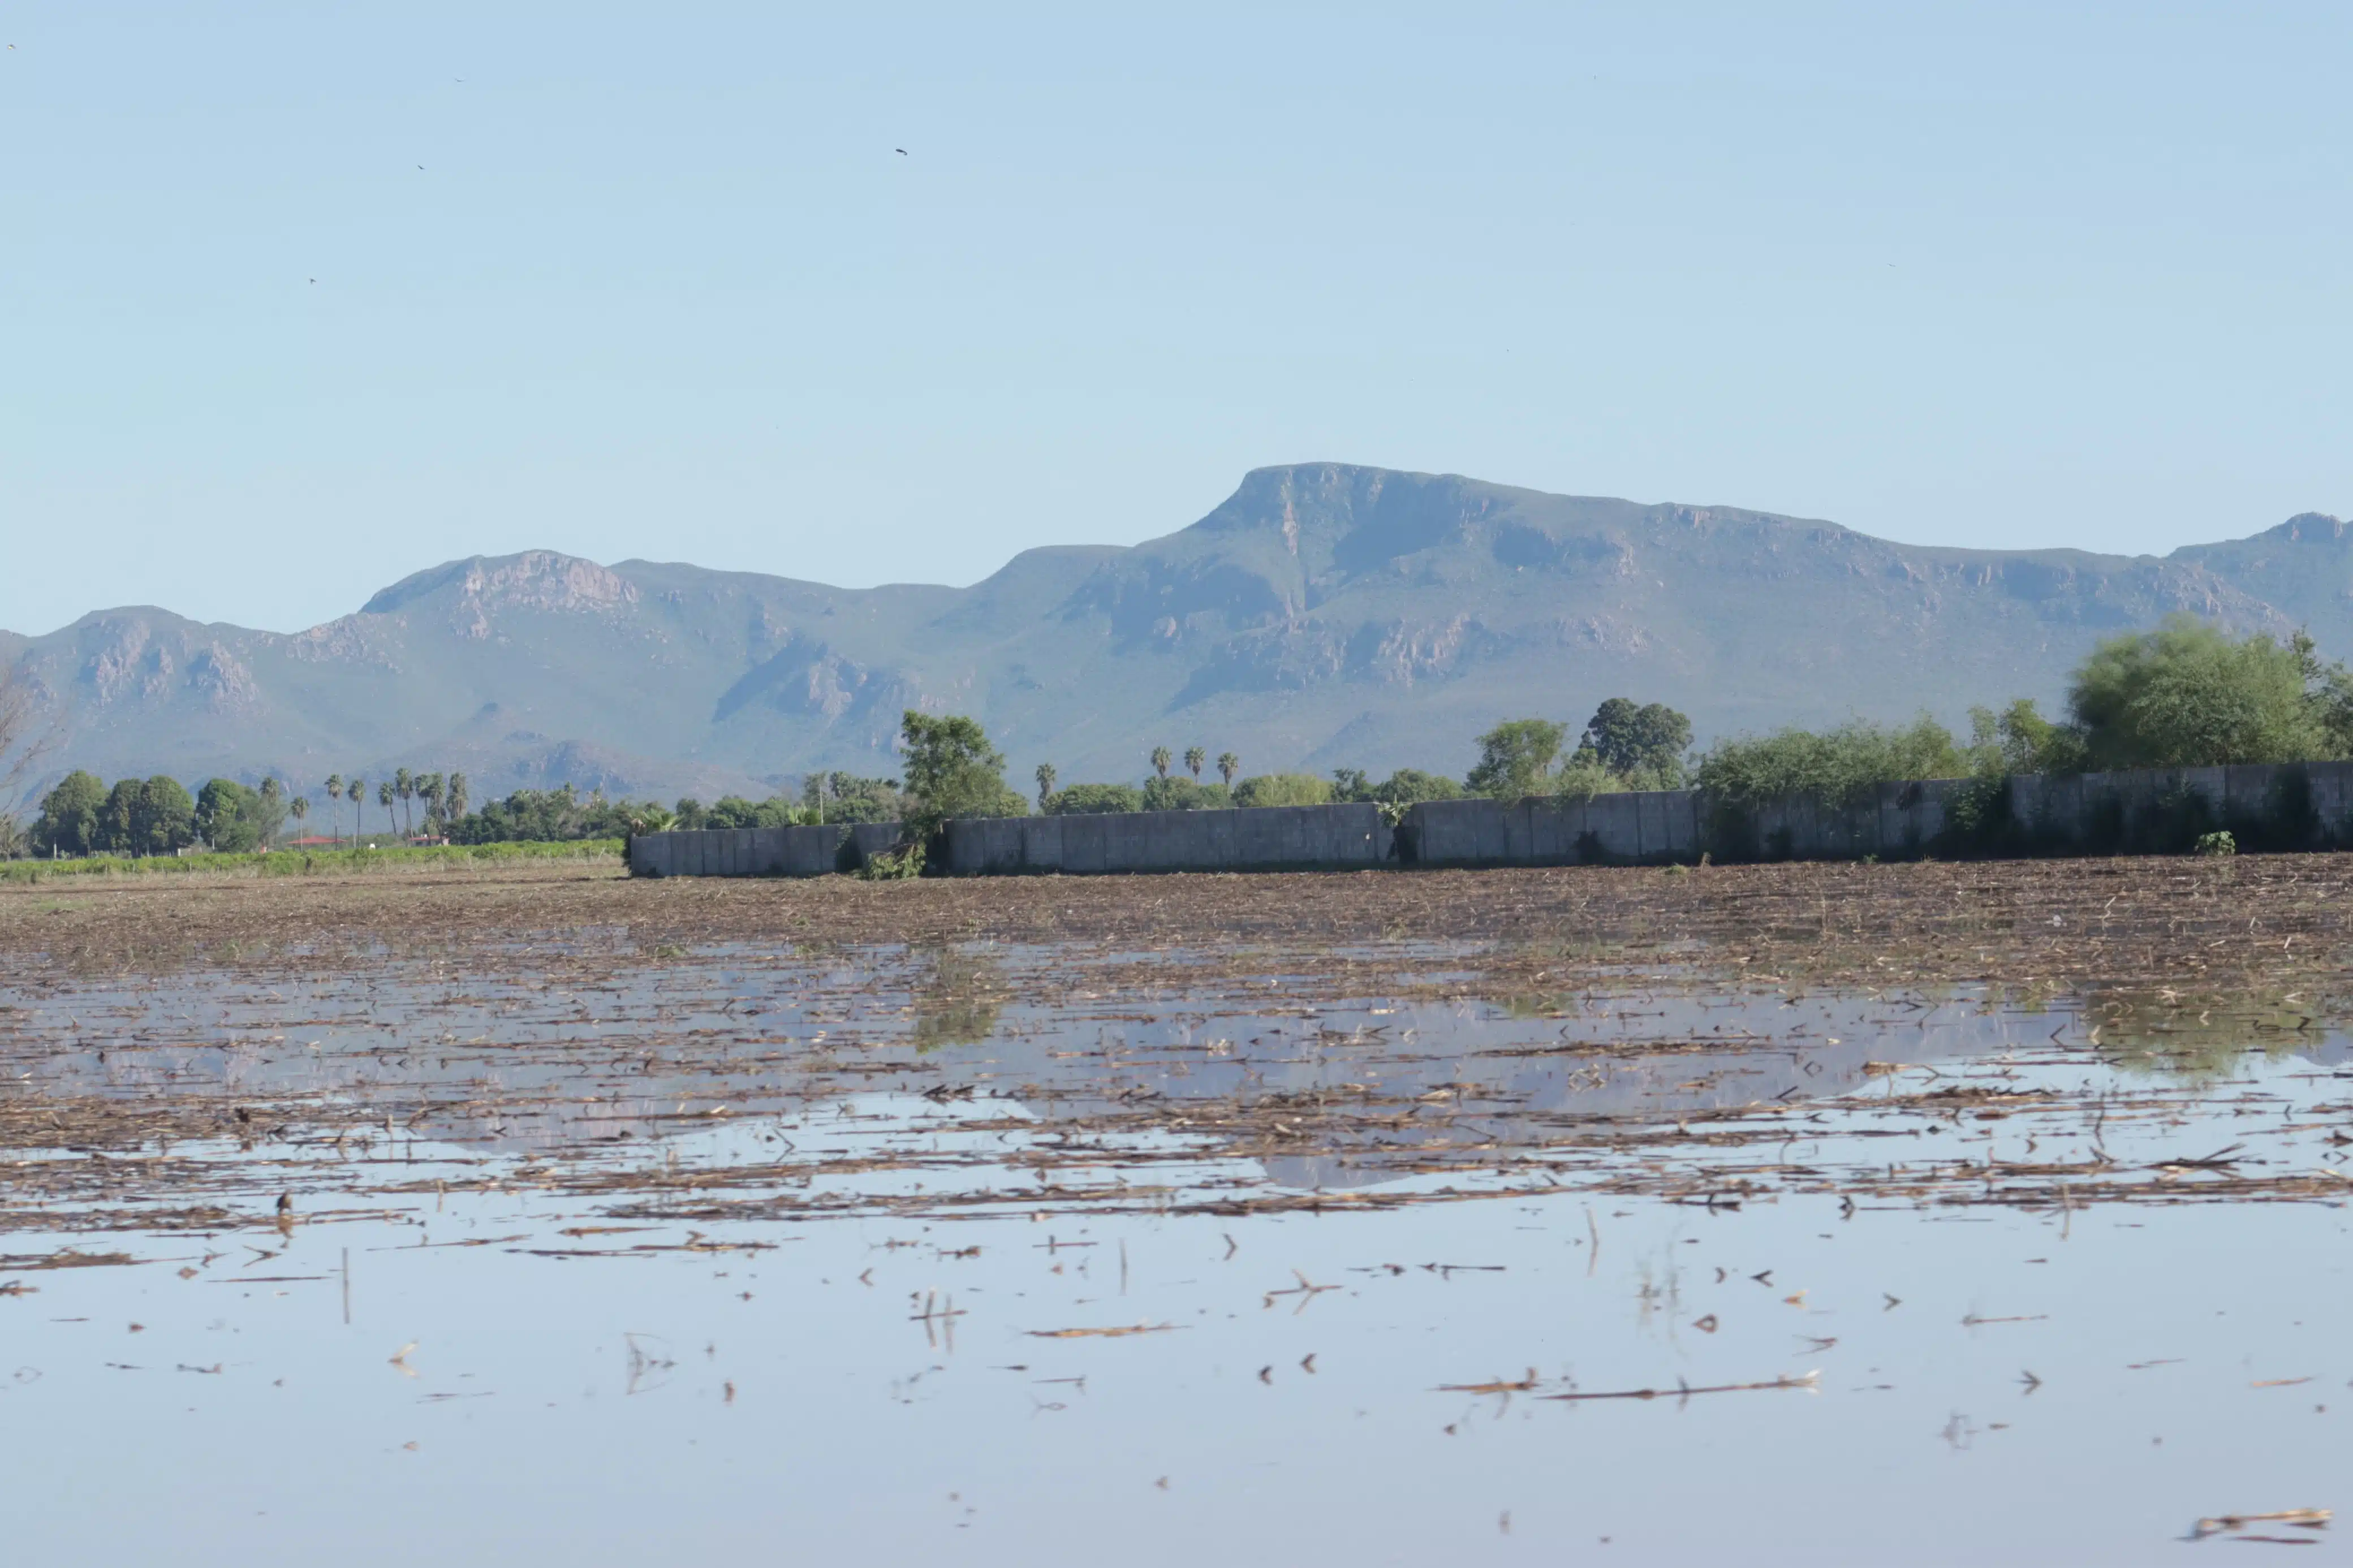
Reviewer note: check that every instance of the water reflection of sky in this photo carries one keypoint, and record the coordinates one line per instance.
(1996, 1384)
(538, 1435)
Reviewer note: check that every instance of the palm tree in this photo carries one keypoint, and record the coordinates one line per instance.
(403, 784)
(429, 786)
(1160, 760)
(335, 794)
(1229, 765)
(1193, 757)
(271, 792)
(301, 807)
(456, 796)
(1045, 783)
(385, 796)
(355, 790)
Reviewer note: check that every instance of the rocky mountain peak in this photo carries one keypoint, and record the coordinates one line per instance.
(477, 587)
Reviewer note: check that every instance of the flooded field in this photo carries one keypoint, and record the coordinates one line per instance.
(1804, 1214)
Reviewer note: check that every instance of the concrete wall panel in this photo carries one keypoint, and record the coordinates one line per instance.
(2082, 811)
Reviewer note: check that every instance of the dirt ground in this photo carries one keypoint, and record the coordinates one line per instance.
(2253, 920)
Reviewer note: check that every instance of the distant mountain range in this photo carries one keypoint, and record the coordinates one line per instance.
(1323, 615)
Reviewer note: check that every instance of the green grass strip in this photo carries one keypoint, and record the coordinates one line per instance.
(315, 862)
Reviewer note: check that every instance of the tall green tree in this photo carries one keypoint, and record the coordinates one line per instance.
(147, 816)
(299, 807)
(404, 785)
(227, 816)
(384, 796)
(458, 800)
(1644, 745)
(953, 771)
(68, 823)
(1045, 776)
(1515, 757)
(118, 820)
(335, 797)
(1229, 765)
(1160, 760)
(1195, 756)
(356, 789)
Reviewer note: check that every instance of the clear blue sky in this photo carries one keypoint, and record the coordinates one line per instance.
(1983, 274)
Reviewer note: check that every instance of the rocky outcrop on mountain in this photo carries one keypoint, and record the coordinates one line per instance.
(1322, 614)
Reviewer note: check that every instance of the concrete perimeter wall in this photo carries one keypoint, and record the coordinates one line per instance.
(1660, 824)
(1667, 824)
(2290, 805)
(2283, 807)
(759, 851)
(1253, 838)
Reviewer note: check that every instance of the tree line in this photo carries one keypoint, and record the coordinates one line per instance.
(2183, 695)
(81, 815)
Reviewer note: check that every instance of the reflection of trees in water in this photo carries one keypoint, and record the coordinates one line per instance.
(2186, 1032)
(958, 1003)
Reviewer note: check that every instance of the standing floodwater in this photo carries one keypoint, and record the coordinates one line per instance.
(1385, 1245)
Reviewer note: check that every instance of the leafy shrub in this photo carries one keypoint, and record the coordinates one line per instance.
(552, 815)
(1839, 766)
(1584, 777)
(734, 811)
(1283, 789)
(2185, 695)
(1407, 786)
(1094, 800)
(847, 798)
(2213, 844)
(894, 865)
(2020, 740)
(1181, 793)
